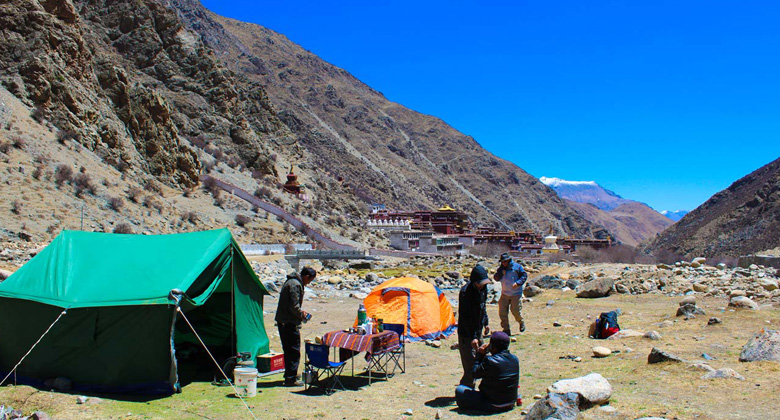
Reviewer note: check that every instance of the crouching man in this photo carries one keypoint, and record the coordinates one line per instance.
(500, 374)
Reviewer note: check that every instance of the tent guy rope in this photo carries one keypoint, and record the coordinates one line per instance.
(64, 311)
(215, 362)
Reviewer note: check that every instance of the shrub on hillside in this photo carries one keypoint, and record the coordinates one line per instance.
(82, 183)
(242, 220)
(63, 136)
(190, 216)
(123, 228)
(63, 174)
(134, 194)
(115, 203)
(16, 207)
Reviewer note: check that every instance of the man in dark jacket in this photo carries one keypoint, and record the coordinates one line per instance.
(289, 316)
(500, 374)
(472, 320)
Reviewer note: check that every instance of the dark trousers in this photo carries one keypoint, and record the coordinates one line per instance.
(290, 335)
(467, 360)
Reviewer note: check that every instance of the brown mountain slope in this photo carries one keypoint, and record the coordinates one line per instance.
(630, 223)
(385, 152)
(744, 218)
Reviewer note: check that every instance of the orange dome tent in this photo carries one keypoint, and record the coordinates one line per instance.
(420, 306)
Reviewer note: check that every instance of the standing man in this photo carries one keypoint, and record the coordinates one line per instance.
(512, 278)
(500, 374)
(289, 316)
(472, 319)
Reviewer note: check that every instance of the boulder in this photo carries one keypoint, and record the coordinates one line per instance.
(743, 302)
(555, 406)
(689, 310)
(532, 291)
(701, 287)
(699, 260)
(335, 280)
(737, 292)
(270, 286)
(362, 265)
(657, 356)
(372, 278)
(767, 283)
(765, 345)
(454, 275)
(714, 320)
(593, 389)
(573, 284)
(723, 373)
(688, 300)
(39, 415)
(653, 335)
(600, 287)
(621, 288)
(600, 351)
(550, 282)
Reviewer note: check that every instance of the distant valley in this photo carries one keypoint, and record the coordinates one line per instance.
(629, 222)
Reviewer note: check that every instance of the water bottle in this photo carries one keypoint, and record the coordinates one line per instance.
(361, 314)
(519, 397)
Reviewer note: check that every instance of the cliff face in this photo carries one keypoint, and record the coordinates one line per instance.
(744, 218)
(132, 84)
(385, 153)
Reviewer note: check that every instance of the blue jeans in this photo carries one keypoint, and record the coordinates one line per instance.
(471, 399)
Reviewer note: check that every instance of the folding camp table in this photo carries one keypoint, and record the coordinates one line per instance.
(375, 345)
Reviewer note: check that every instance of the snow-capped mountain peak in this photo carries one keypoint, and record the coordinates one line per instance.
(557, 182)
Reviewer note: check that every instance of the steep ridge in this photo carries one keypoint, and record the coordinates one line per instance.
(630, 223)
(744, 218)
(384, 152)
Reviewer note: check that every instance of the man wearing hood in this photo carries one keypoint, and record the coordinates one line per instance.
(472, 320)
(512, 277)
(289, 317)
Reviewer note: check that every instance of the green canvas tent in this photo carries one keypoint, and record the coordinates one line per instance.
(121, 328)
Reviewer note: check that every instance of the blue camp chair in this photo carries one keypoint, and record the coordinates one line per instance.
(317, 361)
(398, 356)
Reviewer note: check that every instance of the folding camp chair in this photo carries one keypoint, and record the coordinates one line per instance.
(397, 355)
(318, 361)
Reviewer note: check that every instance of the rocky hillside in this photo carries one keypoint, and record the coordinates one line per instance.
(629, 223)
(744, 218)
(159, 92)
(382, 151)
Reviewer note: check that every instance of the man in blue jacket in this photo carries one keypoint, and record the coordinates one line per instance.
(500, 374)
(512, 277)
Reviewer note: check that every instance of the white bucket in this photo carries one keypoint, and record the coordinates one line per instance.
(245, 380)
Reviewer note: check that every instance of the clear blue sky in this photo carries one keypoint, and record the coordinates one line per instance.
(664, 102)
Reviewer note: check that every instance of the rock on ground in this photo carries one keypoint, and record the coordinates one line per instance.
(657, 356)
(595, 288)
(555, 406)
(593, 388)
(600, 351)
(743, 302)
(625, 334)
(723, 373)
(765, 345)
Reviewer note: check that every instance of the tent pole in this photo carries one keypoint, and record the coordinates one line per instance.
(233, 301)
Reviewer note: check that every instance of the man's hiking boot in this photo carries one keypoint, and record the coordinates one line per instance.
(522, 327)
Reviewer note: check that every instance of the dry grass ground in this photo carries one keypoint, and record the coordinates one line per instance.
(664, 390)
